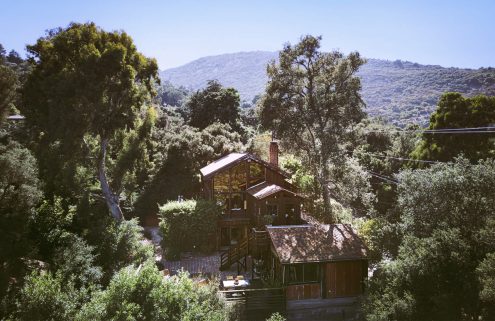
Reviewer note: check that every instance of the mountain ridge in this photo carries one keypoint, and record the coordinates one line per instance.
(401, 92)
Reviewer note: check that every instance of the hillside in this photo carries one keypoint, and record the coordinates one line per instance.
(400, 92)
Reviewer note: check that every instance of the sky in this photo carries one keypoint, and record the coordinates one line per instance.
(438, 32)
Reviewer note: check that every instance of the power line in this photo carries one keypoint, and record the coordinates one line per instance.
(405, 159)
(465, 130)
(383, 177)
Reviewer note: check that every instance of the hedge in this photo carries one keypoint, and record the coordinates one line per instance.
(188, 226)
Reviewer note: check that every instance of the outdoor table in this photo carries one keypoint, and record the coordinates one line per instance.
(229, 284)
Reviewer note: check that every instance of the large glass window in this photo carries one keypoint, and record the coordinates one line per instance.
(256, 174)
(222, 200)
(301, 273)
(221, 182)
(236, 201)
(239, 177)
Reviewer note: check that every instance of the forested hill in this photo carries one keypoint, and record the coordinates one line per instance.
(401, 92)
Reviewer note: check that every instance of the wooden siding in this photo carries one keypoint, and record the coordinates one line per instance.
(345, 278)
(304, 291)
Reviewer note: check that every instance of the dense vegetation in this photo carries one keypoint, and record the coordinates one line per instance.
(104, 148)
(93, 144)
(187, 226)
(400, 92)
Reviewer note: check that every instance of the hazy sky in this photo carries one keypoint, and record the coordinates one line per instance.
(447, 33)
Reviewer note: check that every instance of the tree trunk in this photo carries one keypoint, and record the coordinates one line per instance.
(325, 191)
(111, 199)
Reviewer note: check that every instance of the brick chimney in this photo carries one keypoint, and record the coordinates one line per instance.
(274, 153)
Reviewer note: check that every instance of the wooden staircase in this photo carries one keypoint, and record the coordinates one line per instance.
(256, 244)
(236, 254)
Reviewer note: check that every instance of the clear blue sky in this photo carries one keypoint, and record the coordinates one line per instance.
(447, 33)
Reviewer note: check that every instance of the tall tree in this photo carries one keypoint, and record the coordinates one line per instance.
(86, 84)
(455, 111)
(311, 100)
(214, 104)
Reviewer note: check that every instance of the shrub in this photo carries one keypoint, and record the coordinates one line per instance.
(143, 294)
(188, 225)
(122, 245)
(46, 297)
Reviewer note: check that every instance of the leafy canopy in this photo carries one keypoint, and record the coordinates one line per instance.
(311, 100)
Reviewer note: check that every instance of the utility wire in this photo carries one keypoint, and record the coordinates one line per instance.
(405, 159)
(383, 177)
(465, 130)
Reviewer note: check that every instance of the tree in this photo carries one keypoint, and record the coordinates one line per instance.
(446, 244)
(214, 104)
(310, 102)
(86, 84)
(19, 194)
(455, 111)
(9, 83)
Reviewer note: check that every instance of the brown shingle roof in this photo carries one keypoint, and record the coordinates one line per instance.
(265, 189)
(316, 243)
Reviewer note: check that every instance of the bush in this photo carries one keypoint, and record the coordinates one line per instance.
(46, 297)
(143, 294)
(189, 225)
(122, 245)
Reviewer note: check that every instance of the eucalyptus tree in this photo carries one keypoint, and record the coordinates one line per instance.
(86, 85)
(311, 100)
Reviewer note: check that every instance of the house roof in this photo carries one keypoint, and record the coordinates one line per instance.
(221, 163)
(234, 158)
(16, 117)
(265, 189)
(316, 243)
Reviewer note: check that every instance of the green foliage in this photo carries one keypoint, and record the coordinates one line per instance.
(75, 263)
(276, 317)
(143, 294)
(19, 194)
(486, 272)
(214, 104)
(311, 100)
(455, 111)
(46, 297)
(169, 95)
(120, 245)
(445, 234)
(179, 152)
(86, 86)
(188, 225)
(8, 86)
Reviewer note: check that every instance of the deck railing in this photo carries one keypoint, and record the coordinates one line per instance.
(258, 303)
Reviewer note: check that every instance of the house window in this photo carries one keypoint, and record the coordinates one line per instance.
(239, 177)
(301, 273)
(221, 182)
(236, 201)
(271, 210)
(256, 174)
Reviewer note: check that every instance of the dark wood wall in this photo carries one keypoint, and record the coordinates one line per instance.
(344, 278)
(303, 291)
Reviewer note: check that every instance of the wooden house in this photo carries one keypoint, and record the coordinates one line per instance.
(251, 192)
(317, 261)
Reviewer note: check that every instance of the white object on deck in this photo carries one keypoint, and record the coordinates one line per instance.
(227, 284)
